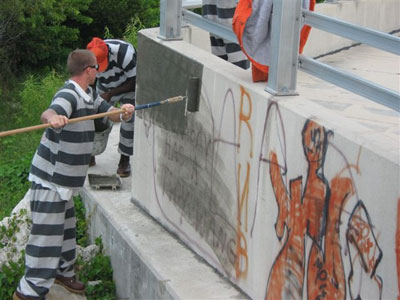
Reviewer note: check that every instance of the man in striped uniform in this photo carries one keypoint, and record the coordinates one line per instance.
(57, 172)
(222, 11)
(116, 82)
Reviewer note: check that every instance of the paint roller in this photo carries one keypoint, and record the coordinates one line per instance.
(193, 95)
(106, 114)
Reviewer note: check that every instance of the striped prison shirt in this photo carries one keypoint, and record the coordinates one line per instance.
(121, 67)
(221, 12)
(63, 155)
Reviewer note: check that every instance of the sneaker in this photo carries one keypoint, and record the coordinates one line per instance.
(18, 296)
(92, 161)
(71, 284)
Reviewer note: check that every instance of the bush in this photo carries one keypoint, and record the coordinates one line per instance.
(10, 274)
(12, 262)
(105, 23)
(130, 34)
(14, 172)
(36, 95)
(98, 269)
(81, 224)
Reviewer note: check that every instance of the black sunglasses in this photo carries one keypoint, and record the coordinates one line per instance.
(93, 67)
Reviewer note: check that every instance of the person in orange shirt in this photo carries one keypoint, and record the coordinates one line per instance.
(252, 26)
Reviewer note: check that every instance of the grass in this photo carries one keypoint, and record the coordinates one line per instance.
(16, 155)
(23, 108)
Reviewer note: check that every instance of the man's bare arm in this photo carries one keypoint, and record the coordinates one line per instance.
(126, 116)
(127, 86)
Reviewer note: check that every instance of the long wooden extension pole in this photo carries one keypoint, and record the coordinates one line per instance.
(91, 117)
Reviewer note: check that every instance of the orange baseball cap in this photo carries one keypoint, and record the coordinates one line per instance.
(100, 49)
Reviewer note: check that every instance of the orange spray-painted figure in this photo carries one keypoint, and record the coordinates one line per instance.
(302, 214)
(287, 274)
(323, 205)
(316, 214)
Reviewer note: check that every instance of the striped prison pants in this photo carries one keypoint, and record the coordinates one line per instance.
(221, 12)
(126, 131)
(51, 248)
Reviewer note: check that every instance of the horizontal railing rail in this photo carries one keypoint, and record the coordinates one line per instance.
(210, 26)
(192, 3)
(353, 32)
(350, 82)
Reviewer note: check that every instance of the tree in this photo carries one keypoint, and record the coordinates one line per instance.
(114, 16)
(35, 33)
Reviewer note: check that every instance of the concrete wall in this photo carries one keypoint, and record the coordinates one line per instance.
(281, 196)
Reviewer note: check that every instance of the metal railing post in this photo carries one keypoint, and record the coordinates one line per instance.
(285, 38)
(170, 19)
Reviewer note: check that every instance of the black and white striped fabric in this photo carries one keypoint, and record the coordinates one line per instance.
(222, 11)
(63, 156)
(121, 67)
(51, 248)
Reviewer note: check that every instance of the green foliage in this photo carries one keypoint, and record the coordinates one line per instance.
(320, 1)
(10, 274)
(98, 268)
(81, 224)
(17, 151)
(7, 233)
(36, 95)
(130, 34)
(14, 169)
(40, 33)
(105, 23)
(12, 271)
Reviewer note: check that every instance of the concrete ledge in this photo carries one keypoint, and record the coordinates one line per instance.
(148, 262)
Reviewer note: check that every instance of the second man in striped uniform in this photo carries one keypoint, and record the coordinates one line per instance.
(116, 82)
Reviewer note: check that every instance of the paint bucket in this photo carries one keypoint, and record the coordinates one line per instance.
(102, 131)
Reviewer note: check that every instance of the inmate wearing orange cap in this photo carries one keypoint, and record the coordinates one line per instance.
(100, 49)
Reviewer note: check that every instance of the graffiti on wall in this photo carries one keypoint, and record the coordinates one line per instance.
(313, 261)
(246, 134)
(314, 214)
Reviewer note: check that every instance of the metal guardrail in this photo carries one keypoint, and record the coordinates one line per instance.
(344, 79)
(374, 38)
(285, 40)
(350, 82)
(192, 3)
(210, 26)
